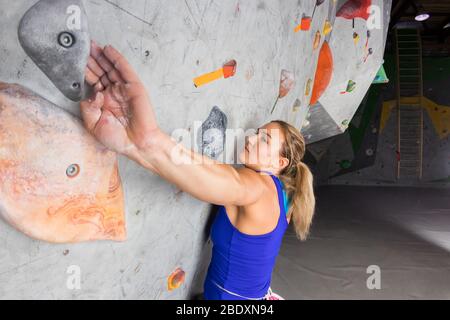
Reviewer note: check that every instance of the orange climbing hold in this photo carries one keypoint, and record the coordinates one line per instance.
(228, 70)
(176, 279)
(324, 71)
(57, 183)
(304, 25)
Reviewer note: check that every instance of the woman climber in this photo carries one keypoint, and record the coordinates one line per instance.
(256, 202)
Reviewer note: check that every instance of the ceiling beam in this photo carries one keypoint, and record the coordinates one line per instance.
(397, 12)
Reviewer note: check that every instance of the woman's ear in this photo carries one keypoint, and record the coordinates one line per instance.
(283, 162)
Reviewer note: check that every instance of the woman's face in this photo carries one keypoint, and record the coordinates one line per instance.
(262, 150)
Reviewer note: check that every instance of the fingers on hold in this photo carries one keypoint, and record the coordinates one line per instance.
(96, 51)
(115, 76)
(104, 63)
(91, 77)
(95, 67)
(94, 102)
(98, 86)
(101, 66)
(99, 100)
(105, 80)
(121, 64)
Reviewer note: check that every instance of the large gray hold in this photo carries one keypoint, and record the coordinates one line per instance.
(54, 33)
(212, 133)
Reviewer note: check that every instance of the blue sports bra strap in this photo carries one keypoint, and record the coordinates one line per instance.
(286, 199)
(280, 193)
(269, 173)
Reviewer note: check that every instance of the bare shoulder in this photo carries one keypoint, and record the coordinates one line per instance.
(251, 176)
(253, 186)
(248, 172)
(261, 215)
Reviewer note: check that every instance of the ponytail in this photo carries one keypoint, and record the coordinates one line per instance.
(302, 201)
(298, 181)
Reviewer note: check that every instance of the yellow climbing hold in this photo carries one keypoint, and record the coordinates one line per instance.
(308, 87)
(327, 27)
(316, 40)
(355, 38)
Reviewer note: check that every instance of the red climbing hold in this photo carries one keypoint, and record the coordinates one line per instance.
(355, 9)
(324, 71)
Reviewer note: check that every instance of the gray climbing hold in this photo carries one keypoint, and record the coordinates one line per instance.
(297, 105)
(54, 33)
(212, 133)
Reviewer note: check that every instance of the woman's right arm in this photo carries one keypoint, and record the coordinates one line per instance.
(121, 116)
(204, 178)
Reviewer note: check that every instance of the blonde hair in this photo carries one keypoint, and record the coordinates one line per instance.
(297, 179)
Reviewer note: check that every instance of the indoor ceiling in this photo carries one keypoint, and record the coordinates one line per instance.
(435, 34)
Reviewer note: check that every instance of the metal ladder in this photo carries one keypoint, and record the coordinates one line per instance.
(409, 107)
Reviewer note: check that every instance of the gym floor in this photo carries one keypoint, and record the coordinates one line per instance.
(403, 231)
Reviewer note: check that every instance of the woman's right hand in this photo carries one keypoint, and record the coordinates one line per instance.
(119, 114)
(121, 117)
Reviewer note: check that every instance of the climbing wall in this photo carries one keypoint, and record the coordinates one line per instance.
(356, 46)
(367, 153)
(224, 64)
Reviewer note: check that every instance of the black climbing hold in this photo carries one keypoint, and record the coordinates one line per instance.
(54, 33)
(212, 133)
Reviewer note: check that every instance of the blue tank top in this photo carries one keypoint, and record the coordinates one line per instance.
(241, 264)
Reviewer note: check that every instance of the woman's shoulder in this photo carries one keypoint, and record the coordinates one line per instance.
(255, 178)
(246, 170)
